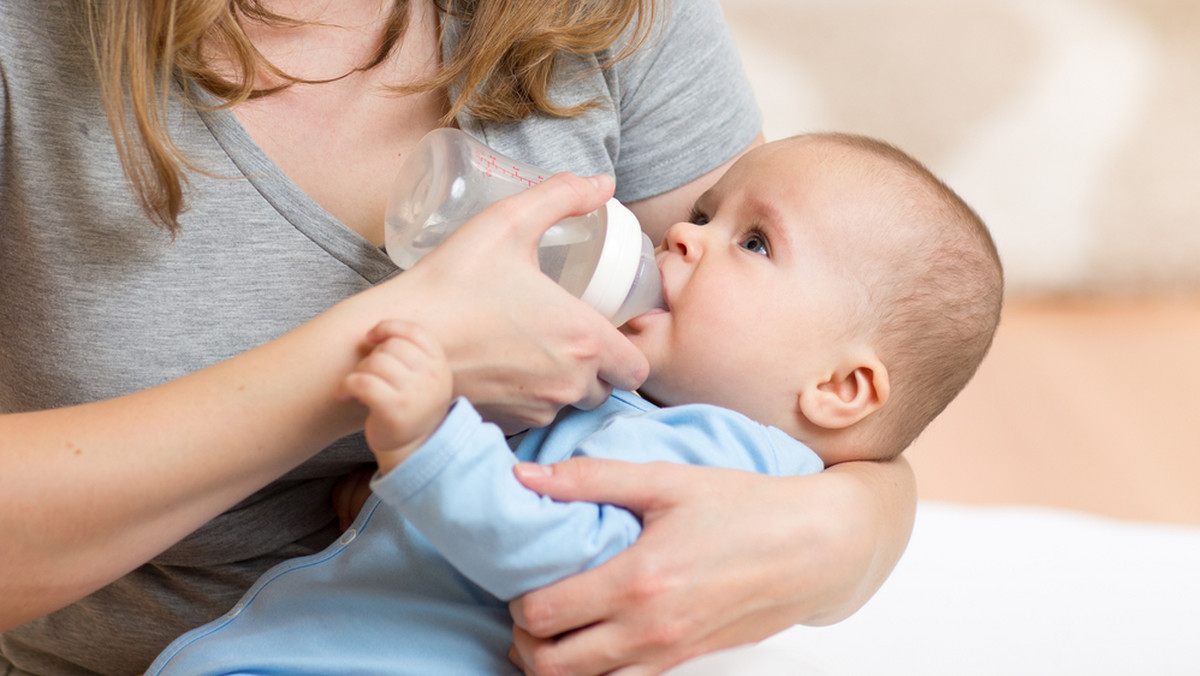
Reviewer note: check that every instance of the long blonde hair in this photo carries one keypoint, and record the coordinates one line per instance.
(502, 66)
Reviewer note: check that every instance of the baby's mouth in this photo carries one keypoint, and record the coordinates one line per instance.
(665, 306)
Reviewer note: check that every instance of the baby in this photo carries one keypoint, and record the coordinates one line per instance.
(828, 299)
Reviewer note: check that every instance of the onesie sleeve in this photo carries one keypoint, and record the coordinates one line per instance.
(686, 105)
(459, 491)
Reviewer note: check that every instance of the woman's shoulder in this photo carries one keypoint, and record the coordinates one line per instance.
(677, 108)
(42, 32)
(43, 51)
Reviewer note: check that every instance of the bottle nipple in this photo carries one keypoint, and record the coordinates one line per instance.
(626, 282)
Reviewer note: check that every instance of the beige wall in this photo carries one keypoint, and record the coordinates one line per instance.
(1073, 126)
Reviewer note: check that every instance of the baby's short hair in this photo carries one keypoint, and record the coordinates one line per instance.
(932, 308)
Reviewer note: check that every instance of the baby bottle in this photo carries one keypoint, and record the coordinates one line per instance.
(602, 257)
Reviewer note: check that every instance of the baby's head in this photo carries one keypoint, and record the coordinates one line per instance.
(828, 285)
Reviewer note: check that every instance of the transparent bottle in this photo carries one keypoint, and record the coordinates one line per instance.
(602, 257)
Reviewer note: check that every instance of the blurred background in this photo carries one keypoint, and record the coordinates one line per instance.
(1073, 127)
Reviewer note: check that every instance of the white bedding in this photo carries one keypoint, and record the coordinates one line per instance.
(1007, 591)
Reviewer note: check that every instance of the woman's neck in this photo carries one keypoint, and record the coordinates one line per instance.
(342, 141)
(329, 38)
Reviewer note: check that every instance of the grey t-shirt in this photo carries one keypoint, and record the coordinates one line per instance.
(96, 302)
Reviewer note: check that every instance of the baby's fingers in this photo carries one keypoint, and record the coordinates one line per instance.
(402, 350)
(384, 375)
(407, 331)
(368, 389)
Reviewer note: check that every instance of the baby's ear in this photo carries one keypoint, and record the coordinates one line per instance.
(846, 395)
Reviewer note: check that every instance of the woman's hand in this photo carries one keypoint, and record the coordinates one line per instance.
(519, 345)
(725, 558)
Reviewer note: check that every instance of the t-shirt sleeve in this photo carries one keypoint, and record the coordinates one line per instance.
(8, 26)
(686, 106)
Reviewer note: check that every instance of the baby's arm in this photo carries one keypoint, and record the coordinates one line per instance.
(406, 383)
(451, 474)
(458, 489)
(460, 492)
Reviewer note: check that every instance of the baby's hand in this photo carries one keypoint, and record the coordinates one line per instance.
(406, 383)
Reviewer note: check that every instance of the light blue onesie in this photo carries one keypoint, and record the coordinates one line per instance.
(419, 583)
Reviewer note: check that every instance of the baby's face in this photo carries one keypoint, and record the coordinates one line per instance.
(757, 284)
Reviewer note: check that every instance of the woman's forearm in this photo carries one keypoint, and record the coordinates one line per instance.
(885, 493)
(89, 492)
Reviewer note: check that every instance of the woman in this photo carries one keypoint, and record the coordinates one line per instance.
(169, 426)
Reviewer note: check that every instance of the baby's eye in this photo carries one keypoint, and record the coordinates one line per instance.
(756, 242)
(697, 217)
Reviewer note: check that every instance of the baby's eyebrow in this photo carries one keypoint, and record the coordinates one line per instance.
(759, 204)
(768, 215)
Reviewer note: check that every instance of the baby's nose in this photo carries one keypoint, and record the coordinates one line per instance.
(683, 238)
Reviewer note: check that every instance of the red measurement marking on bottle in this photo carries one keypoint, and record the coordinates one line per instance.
(488, 164)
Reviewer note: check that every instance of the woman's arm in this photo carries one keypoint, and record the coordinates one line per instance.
(725, 559)
(658, 213)
(89, 492)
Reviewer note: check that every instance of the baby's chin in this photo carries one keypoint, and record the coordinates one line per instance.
(651, 398)
(652, 394)
(639, 323)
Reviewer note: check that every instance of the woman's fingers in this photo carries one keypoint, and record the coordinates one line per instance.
(567, 656)
(700, 577)
(585, 602)
(622, 365)
(604, 648)
(635, 487)
(522, 219)
(507, 231)
(520, 346)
